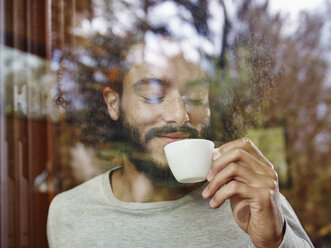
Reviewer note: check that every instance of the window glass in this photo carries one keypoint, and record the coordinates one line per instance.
(84, 83)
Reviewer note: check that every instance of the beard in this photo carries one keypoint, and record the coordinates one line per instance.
(136, 150)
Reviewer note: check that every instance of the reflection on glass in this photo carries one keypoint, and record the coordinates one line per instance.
(57, 131)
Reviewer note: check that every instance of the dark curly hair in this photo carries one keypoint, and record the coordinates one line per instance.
(90, 69)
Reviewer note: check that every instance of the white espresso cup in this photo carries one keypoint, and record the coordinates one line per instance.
(190, 159)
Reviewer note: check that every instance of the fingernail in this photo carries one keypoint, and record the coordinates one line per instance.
(216, 155)
(212, 203)
(210, 176)
(205, 193)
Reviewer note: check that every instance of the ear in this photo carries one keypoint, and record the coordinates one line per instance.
(112, 100)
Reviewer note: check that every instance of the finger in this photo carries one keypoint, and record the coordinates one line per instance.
(235, 188)
(237, 172)
(247, 145)
(240, 155)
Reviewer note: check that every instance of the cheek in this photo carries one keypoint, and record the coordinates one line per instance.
(199, 115)
(139, 113)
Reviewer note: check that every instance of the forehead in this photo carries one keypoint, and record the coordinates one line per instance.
(167, 60)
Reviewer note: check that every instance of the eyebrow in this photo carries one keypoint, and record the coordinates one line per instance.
(149, 81)
(198, 82)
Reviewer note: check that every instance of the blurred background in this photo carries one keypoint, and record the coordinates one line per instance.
(272, 84)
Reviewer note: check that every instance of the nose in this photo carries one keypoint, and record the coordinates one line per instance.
(175, 111)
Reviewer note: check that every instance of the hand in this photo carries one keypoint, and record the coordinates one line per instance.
(241, 173)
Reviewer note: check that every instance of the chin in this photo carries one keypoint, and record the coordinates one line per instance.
(161, 160)
(157, 154)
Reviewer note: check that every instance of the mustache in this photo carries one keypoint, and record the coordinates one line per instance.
(192, 132)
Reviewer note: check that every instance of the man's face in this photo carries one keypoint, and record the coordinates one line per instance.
(165, 99)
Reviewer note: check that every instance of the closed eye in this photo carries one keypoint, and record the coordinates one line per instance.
(154, 100)
(193, 101)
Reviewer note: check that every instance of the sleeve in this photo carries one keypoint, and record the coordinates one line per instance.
(295, 236)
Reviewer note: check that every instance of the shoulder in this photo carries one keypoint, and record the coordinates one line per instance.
(67, 208)
(86, 192)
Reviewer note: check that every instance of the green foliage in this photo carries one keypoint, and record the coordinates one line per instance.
(242, 89)
(271, 142)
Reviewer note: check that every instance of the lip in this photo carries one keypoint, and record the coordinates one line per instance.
(172, 137)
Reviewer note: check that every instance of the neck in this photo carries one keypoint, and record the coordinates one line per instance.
(129, 185)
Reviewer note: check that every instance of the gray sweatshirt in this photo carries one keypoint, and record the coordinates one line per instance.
(90, 216)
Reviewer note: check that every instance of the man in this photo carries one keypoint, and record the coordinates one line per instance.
(164, 98)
